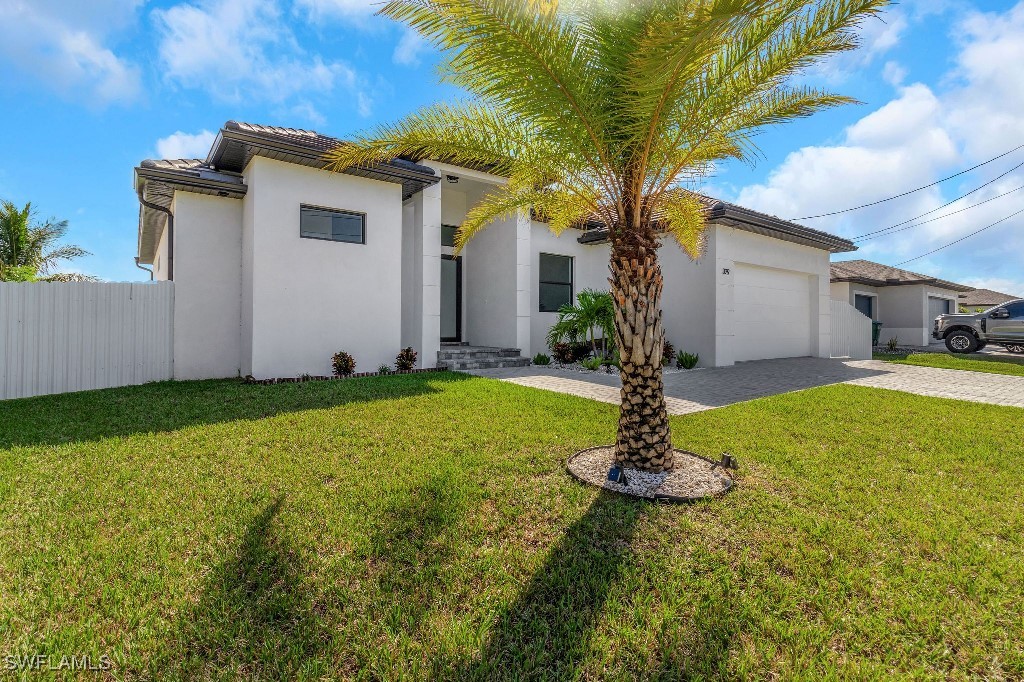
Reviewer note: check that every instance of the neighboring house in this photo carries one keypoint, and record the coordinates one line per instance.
(983, 299)
(906, 303)
(278, 264)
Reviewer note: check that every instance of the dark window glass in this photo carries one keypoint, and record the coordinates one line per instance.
(338, 226)
(1016, 310)
(555, 282)
(448, 235)
(864, 304)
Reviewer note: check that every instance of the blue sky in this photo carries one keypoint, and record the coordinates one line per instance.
(91, 89)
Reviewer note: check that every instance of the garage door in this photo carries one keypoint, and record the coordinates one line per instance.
(937, 306)
(772, 317)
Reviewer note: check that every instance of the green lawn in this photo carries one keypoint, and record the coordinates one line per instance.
(999, 364)
(423, 526)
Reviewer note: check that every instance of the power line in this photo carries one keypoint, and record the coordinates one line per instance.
(961, 238)
(889, 230)
(898, 196)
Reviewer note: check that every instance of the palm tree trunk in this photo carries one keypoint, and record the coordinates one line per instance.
(644, 440)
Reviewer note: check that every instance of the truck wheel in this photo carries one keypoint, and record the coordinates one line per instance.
(961, 342)
(1015, 347)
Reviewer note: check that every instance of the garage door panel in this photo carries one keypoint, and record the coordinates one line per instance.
(771, 313)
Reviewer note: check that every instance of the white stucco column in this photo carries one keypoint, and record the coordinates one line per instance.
(725, 307)
(429, 243)
(524, 282)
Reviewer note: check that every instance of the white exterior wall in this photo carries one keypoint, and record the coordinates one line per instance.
(688, 299)
(160, 271)
(590, 271)
(208, 278)
(310, 297)
(734, 247)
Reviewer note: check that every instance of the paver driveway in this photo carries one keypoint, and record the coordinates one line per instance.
(705, 389)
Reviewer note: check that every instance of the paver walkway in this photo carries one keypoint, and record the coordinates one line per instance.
(706, 389)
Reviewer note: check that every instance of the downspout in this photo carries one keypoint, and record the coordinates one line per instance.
(144, 269)
(170, 232)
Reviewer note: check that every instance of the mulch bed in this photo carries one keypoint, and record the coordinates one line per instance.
(692, 477)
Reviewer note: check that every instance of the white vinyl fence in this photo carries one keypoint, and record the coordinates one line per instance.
(851, 332)
(62, 337)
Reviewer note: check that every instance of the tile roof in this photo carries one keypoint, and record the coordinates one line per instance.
(985, 297)
(876, 274)
(740, 217)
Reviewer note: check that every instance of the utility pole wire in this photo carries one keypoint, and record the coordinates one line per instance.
(898, 196)
(961, 238)
(865, 238)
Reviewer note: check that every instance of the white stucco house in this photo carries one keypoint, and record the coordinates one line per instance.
(278, 264)
(906, 303)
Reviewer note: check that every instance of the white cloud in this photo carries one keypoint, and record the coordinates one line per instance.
(241, 49)
(894, 73)
(917, 138)
(346, 9)
(64, 46)
(181, 145)
(409, 48)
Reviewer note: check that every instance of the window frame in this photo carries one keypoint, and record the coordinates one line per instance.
(541, 282)
(343, 211)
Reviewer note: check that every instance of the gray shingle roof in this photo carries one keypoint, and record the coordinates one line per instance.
(879, 275)
(985, 298)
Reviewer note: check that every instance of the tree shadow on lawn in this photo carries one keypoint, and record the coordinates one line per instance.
(546, 633)
(171, 405)
(256, 617)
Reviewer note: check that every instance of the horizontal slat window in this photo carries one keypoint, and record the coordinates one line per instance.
(332, 225)
(555, 282)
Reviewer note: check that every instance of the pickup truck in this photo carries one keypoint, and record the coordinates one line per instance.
(1003, 325)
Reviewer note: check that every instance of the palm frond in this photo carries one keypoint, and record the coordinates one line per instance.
(684, 216)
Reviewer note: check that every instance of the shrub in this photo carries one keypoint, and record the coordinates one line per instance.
(591, 363)
(343, 364)
(406, 359)
(563, 353)
(892, 344)
(541, 359)
(384, 369)
(686, 360)
(611, 360)
(668, 352)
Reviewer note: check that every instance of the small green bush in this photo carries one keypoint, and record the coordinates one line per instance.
(591, 363)
(384, 369)
(541, 359)
(892, 344)
(343, 364)
(686, 360)
(406, 359)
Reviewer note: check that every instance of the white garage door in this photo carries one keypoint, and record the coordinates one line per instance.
(772, 317)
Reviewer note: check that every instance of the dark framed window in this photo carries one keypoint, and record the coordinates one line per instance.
(332, 224)
(865, 304)
(555, 282)
(448, 235)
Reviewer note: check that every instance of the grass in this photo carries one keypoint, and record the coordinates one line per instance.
(1000, 364)
(423, 526)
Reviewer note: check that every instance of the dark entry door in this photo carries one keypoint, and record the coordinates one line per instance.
(451, 298)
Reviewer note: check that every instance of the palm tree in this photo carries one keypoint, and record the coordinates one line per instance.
(593, 311)
(613, 109)
(29, 250)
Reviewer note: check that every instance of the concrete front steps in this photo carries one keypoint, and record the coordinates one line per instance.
(458, 358)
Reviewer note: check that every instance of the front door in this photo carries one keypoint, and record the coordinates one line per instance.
(451, 298)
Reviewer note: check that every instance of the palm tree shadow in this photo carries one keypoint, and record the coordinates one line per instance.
(256, 618)
(546, 632)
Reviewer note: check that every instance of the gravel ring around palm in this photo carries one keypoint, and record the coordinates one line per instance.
(692, 477)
